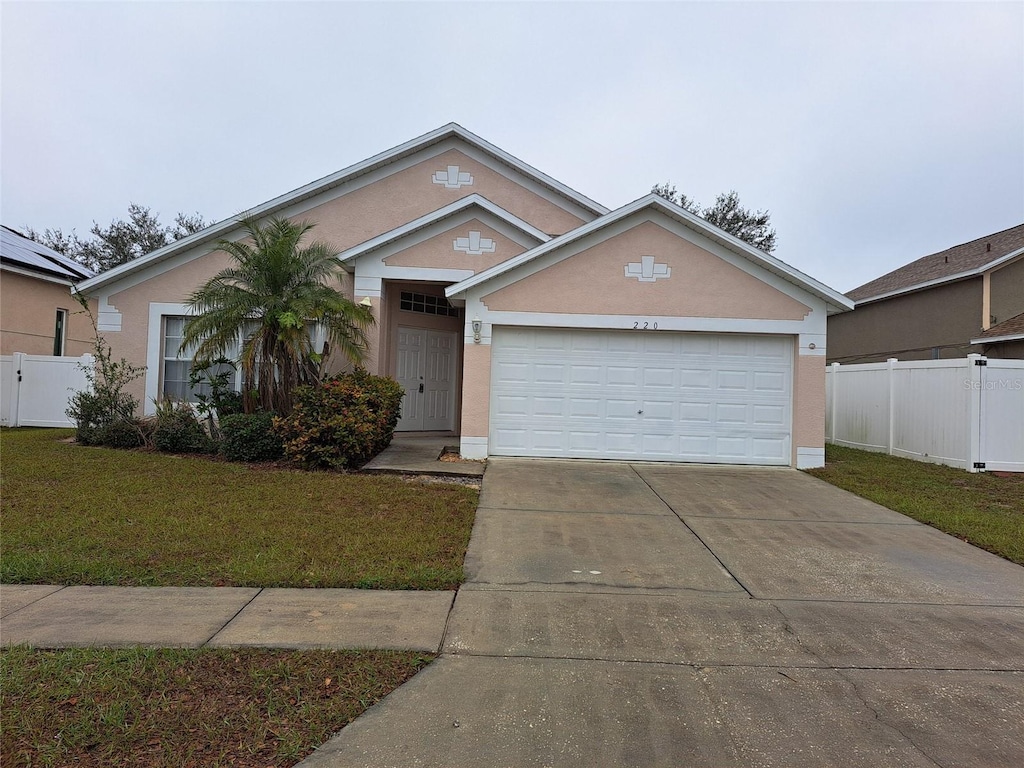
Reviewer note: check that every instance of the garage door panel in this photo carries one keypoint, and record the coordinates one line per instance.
(634, 395)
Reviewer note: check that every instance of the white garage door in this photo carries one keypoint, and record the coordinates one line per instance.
(652, 396)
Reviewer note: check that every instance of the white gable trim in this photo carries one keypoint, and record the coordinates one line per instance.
(451, 136)
(5, 267)
(499, 220)
(690, 227)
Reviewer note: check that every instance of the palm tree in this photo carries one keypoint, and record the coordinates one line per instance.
(272, 293)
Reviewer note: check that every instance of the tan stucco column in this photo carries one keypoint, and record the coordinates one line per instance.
(476, 397)
(371, 288)
(809, 403)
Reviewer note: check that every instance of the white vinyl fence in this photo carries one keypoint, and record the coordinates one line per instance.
(35, 389)
(966, 413)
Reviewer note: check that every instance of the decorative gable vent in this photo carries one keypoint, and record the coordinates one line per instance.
(453, 178)
(474, 245)
(646, 271)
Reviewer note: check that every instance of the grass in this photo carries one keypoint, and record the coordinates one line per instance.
(76, 515)
(984, 509)
(176, 708)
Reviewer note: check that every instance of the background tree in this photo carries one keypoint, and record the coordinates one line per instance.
(122, 241)
(727, 214)
(269, 297)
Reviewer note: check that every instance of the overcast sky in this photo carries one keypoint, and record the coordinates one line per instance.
(875, 133)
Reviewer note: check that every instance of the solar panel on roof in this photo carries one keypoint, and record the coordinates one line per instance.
(15, 248)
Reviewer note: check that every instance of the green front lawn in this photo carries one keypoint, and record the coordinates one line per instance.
(76, 515)
(171, 708)
(984, 509)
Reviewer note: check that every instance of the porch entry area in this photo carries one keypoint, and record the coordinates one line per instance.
(426, 368)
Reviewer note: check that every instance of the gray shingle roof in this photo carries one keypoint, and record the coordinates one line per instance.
(1011, 327)
(20, 251)
(953, 261)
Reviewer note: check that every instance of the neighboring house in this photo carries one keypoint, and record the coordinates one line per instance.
(940, 306)
(38, 314)
(527, 318)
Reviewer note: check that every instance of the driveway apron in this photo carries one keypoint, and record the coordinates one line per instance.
(667, 615)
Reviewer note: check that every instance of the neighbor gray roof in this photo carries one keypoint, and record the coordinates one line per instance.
(18, 250)
(957, 262)
(1008, 330)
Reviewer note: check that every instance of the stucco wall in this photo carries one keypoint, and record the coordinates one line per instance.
(410, 193)
(593, 281)
(438, 252)
(28, 314)
(909, 326)
(809, 402)
(1007, 291)
(476, 390)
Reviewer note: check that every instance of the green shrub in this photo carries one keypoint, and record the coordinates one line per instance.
(124, 434)
(250, 437)
(103, 413)
(342, 423)
(178, 430)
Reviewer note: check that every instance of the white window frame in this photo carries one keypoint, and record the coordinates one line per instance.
(155, 350)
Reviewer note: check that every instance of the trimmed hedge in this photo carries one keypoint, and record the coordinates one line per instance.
(343, 423)
(250, 437)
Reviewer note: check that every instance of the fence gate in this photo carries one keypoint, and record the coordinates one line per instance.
(35, 389)
(1001, 437)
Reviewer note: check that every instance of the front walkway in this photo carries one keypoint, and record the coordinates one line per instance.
(651, 615)
(420, 453)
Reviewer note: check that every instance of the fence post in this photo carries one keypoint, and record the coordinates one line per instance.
(17, 363)
(890, 372)
(835, 397)
(973, 381)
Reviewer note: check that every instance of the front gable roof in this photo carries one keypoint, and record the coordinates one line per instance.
(835, 301)
(342, 177)
(441, 214)
(956, 263)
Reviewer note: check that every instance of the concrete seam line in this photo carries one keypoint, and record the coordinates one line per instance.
(695, 534)
(447, 621)
(60, 588)
(259, 591)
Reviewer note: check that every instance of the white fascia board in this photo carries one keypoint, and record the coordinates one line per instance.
(626, 322)
(338, 178)
(995, 264)
(440, 214)
(998, 339)
(828, 295)
(36, 275)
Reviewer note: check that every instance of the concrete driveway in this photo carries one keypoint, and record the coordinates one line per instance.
(653, 615)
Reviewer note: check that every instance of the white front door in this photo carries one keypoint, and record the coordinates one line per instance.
(426, 370)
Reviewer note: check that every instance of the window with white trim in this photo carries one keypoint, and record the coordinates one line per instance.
(177, 364)
(60, 330)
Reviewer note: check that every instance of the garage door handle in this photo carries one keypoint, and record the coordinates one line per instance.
(639, 411)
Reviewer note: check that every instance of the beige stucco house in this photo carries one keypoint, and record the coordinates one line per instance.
(530, 320)
(38, 314)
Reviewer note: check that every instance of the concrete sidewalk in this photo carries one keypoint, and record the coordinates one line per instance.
(193, 617)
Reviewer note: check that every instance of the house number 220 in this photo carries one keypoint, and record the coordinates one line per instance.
(644, 325)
